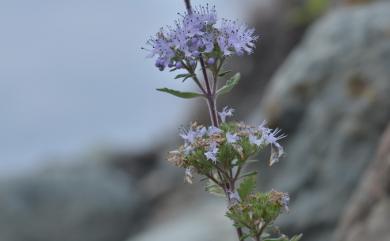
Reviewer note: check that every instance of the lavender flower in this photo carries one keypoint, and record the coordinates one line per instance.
(162, 47)
(272, 137)
(188, 136)
(201, 131)
(254, 140)
(226, 112)
(236, 38)
(211, 154)
(212, 130)
(232, 138)
(197, 33)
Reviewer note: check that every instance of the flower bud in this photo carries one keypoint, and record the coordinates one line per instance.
(196, 53)
(211, 61)
(179, 65)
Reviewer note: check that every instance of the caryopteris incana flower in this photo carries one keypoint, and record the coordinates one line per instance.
(198, 44)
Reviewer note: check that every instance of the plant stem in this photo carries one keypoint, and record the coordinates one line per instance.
(188, 6)
(211, 101)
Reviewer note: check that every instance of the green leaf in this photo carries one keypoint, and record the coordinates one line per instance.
(245, 236)
(247, 186)
(249, 174)
(185, 95)
(296, 237)
(224, 73)
(184, 76)
(229, 84)
(214, 189)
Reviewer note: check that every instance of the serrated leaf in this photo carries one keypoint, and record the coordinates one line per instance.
(247, 186)
(224, 73)
(184, 95)
(214, 189)
(229, 84)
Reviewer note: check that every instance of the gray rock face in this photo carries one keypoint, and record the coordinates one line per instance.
(368, 214)
(332, 98)
(78, 203)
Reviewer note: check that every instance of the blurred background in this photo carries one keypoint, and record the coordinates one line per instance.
(84, 134)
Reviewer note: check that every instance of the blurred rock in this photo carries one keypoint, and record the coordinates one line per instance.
(191, 225)
(274, 45)
(77, 202)
(332, 98)
(368, 212)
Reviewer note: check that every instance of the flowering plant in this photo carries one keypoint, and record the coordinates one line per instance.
(220, 152)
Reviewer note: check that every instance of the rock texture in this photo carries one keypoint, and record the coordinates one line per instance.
(71, 203)
(332, 98)
(368, 212)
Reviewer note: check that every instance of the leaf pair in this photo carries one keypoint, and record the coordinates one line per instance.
(189, 95)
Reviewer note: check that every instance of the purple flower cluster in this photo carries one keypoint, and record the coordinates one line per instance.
(195, 35)
(212, 138)
(236, 38)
